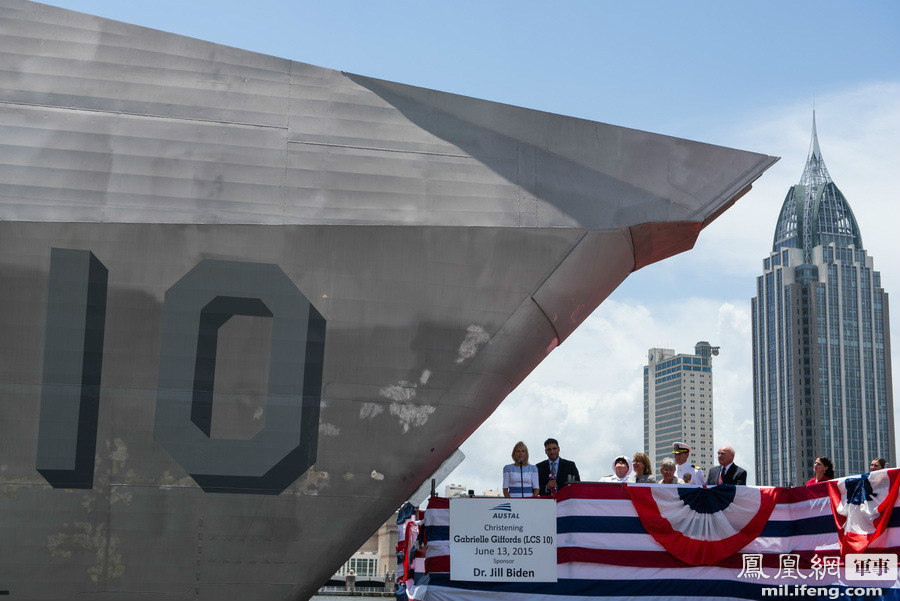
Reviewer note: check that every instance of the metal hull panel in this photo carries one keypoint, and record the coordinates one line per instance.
(408, 310)
(143, 126)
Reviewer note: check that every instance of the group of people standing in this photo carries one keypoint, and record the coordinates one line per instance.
(522, 479)
(678, 470)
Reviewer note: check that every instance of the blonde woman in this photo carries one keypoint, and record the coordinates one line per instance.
(520, 478)
(643, 469)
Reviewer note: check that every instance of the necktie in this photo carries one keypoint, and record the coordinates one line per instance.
(721, 473)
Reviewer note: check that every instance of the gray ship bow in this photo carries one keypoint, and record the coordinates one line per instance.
(248, 305)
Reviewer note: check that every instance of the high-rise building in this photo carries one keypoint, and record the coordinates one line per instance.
(678, 404)
(821, 341)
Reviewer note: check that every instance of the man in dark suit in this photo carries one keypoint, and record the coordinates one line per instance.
(555, 472)
(727, 472)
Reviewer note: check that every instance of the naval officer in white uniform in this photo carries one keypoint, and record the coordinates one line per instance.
(683, 466)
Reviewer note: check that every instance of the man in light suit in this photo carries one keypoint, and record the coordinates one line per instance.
(555, 472)
(727, 472)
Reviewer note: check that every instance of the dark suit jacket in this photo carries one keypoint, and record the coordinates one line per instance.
(567, 473)
(735, 475)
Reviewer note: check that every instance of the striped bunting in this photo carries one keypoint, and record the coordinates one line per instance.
(605, 551)
(409, 562)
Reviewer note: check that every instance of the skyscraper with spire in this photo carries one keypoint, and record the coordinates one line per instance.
(821, 340)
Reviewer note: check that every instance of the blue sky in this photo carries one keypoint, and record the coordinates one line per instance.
(660, 66)
(745, 75)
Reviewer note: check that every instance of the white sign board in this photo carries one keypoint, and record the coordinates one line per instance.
(503, 540)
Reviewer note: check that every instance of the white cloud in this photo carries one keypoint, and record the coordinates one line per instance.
(589, 393)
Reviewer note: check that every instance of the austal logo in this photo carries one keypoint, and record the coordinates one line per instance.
(504, 512)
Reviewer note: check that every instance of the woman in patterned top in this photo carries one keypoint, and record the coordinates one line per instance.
(520, 479)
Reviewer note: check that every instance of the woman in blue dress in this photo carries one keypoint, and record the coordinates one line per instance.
(520, 478)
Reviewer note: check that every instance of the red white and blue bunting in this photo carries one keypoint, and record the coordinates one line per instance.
(863, 506)
(702, 526)
(689, 543)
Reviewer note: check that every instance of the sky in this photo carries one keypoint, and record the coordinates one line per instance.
(744, 75)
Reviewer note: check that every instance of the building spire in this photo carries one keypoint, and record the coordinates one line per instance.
(814, 173)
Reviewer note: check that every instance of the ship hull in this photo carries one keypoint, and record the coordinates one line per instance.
(249, 305)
